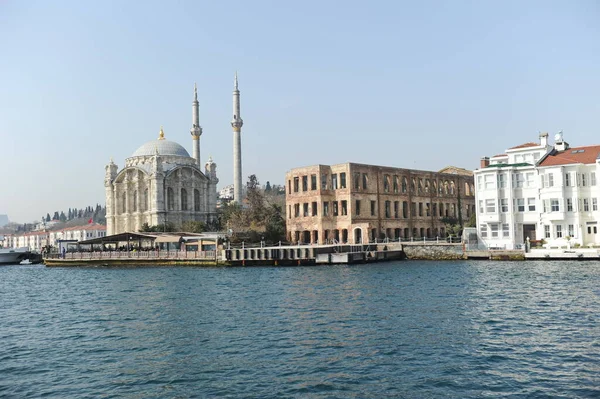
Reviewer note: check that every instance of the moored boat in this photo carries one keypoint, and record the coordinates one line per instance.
(12, 256)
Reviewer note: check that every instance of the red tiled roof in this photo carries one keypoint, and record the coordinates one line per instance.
(525, 146)
(586, 155)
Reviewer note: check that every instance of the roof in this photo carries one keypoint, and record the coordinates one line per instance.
(164, 147)
(500, 155)
(504, 165)
(526, 145)
(584, 155)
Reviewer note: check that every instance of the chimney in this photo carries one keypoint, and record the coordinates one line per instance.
(544, 139)
(485, 162)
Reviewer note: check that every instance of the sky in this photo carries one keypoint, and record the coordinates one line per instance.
(412, 84)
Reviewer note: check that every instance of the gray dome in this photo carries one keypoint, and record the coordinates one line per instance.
(165, 147)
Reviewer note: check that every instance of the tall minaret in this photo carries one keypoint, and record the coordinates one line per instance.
(196, 130)
(236, 124)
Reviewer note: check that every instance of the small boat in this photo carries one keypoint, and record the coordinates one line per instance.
(25, 262)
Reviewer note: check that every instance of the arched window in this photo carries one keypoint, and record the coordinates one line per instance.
(452, 188)
(426, 185)
(145, 199)
(184, 200)
(396, 183)
(434, 186)
(135, 201)
(170, 199)
(446, 187)
(404, 184)
(196, 200)
(413, 185)
(467, 192)
(124, 203)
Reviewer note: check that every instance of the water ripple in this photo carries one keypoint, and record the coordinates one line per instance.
(397, 330)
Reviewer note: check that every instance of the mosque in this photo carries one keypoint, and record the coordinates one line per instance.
(161, 182)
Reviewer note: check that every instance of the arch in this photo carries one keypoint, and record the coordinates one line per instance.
(427, 185)
(467, 191)
(404, 184)
(358, 235)
(434, 186)
(413, 185)
(452, 187)
(184, 199)
(170, 199)
(446, 187)
(420, 181)
(196, 199)
(396, 183)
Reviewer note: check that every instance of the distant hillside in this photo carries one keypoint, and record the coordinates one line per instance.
(3, 220)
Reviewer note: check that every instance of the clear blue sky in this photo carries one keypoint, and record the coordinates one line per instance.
(410, 84)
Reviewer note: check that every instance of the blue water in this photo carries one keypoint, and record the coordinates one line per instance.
(397, 330)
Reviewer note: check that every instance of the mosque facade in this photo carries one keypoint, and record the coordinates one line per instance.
(161, 183)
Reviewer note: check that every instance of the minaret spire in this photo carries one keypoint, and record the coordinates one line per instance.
(196, 130)
(236, 124)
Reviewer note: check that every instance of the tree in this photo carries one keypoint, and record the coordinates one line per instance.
(256, 201)
(48, 217)
(62, 217)
(55, 217)
(268, 188)
(193, 227)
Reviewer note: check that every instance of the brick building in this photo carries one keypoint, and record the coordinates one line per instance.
(356, 203)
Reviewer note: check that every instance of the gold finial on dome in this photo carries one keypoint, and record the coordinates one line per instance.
(161, 134)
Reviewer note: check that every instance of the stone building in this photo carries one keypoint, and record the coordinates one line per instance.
(161, 183)
(356, 203)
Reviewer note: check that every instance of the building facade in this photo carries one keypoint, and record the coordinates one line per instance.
(37, 240)
(357, 203)
(536, 191)
(161, 183)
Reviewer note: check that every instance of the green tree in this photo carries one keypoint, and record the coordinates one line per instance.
(193, 227)
(268, 188)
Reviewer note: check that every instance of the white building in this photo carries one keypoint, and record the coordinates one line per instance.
(36, 240)
(161, 183)
(537, 191)
(227, 192)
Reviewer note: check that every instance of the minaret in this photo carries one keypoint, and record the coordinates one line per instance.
(236, 124)
(196, 130)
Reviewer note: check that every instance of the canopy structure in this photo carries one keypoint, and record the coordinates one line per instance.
(122, 237)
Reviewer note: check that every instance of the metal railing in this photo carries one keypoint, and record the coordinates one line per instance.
(150, 255)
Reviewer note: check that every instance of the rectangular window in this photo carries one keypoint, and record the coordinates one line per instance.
(314, 209)
(592, 178)
(480, 182)
(404, 209)
(326, 208)
(490, 206)
(296, 184)
(434, 209)
(489, 182)
(559, 231)
(396, 210)
(304, 183)
(567, 179)
(413, 209)
(569, 205)
(501, 180)
(494, 230)
(356, 179)
(296, 210)
(529, 179)
(343, 180)
(344, 207)
(586, 205)
(334, 181)
(480, 207)
(547, 231)
(548, 180)
(583, 180)
(387, 209)
(335, 208)
(305, 208)
(554, 205)
(505, 230)
(571, 230)
(373, 208)
(420, 209)
(313, 182)
(531, 204)
(483, 230)
(396, 179)
(427, 209)
(520, 204)
(357, 206)
(324, 180)
(594, 204)
(519, 180)
(504, 205)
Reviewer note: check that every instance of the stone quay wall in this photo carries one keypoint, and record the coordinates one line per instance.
(433, 251)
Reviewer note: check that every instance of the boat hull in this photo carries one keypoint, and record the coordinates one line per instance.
(12, 256)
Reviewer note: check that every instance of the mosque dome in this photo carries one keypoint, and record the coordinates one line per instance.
(164, 147)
